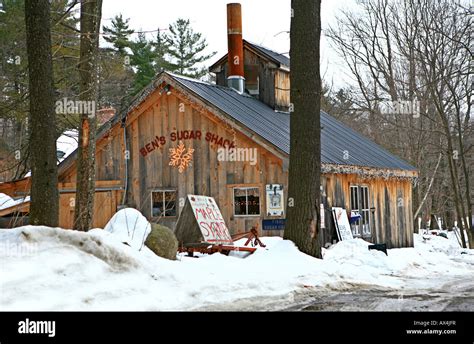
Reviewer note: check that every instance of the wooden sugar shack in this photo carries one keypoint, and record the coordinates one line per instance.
(230, 141)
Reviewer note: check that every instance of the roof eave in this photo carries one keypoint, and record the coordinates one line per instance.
(215, 67)
(369, 172)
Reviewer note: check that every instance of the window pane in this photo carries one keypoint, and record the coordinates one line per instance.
(157, 207)
(170, 203)
(356, 198)
(365, 203)
(240, 202)
(163, 203)
(352, 198)
(355, 226)
(365, 221)
(354, 192)
(253, 201)
(246, 201)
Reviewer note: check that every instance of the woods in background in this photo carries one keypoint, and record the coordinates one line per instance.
(410, 61)
(127, 62)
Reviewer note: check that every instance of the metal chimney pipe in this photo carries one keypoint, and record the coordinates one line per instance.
(235, 42)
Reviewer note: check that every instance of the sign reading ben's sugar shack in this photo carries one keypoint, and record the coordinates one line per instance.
(183, 135)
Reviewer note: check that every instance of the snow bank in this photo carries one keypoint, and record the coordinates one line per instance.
(432, 256)
(53, 269)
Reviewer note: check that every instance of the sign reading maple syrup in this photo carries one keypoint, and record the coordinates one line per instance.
(183, 135)
(210, 220)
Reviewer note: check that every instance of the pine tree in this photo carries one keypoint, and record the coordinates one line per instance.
(14, 107)
(115, 80)
(13, 91)
(161, 51)
(118, 34)
(44, 207)
(185, 49)
(143, 59)
(66, 45)
(116, 75)
(91, 14)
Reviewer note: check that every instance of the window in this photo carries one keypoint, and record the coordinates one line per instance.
(163, 203)
(360, 205)
(246, 201)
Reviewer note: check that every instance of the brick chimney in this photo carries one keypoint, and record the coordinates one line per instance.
(235, 42)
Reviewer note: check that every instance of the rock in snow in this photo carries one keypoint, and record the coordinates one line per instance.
(129, 226)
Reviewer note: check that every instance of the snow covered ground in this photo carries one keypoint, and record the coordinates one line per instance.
(53, 269)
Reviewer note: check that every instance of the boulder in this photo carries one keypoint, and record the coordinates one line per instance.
(162, 241)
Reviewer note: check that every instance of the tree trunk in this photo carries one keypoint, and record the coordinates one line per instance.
(303, 211)
(91, 11)
(44, 206)
(429, 187)
(468, 212)
(454, 182)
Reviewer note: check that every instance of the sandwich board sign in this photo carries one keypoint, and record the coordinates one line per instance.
(202, 221)
(341, 221)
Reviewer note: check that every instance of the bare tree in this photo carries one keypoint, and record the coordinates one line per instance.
(444, 57)
(303, 209)
(44, 207)
(91, 11)
(416, 53)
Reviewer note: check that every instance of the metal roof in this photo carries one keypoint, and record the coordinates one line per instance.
(338, 141)
(280, 58)
(340, 144)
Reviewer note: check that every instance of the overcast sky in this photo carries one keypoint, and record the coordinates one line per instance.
(265, 22)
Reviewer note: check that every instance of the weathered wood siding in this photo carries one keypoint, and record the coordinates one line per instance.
(391, 218)
(264, 75)
(160, 115)
(206, 175)
(105, 206)
(282, 90)
(110, 159)
(108, 196)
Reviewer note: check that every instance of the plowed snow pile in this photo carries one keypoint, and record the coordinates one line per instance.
(45, 268)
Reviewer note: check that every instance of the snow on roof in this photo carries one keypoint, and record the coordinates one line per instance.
(67, 143)
(8, 202)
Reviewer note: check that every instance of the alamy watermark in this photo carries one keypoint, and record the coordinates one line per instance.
(238, 154)
(75, 107)
(401, 107)
(14, 249)
(28, 326)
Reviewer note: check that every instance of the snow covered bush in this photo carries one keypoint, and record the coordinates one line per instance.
(130, 227)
